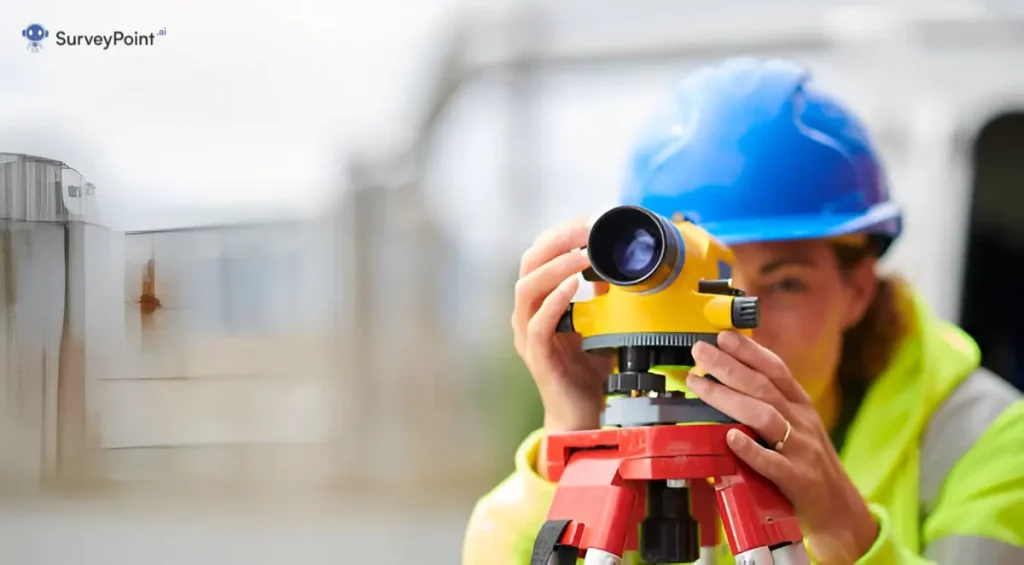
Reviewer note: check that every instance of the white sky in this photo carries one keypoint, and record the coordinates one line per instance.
(242, 102)
(247, 103)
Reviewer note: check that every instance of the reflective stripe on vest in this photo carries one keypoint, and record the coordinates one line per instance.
(961, 419)
(973, 549)
(953, 429)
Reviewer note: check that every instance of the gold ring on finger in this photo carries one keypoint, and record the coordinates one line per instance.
(782, 442)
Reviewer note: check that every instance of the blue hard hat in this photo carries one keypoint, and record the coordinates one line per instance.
(751, 152)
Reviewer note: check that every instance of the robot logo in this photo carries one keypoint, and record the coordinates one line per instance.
(35, 33)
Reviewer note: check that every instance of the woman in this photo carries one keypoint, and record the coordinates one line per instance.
(894, 446)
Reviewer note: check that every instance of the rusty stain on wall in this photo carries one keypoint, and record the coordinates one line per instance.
(148, 299)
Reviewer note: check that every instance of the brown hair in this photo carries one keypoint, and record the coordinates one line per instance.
(868, 347)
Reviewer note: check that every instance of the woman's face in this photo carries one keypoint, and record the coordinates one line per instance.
(807, 303)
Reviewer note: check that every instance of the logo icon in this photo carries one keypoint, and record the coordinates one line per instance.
(35, 33)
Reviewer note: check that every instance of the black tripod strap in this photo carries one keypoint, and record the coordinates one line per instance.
(547, 544)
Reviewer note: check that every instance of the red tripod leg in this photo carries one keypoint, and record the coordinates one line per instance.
(757, 518)
(600, 508)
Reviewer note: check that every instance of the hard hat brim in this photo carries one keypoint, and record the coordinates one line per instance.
(884, 219)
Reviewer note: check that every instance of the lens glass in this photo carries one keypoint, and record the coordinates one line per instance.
(636, 256)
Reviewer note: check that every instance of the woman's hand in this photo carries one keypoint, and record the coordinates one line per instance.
(758, 390)
(571, 382)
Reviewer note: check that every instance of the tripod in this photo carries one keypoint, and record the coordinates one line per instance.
(651, 484)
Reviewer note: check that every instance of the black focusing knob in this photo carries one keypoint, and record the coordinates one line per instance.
(745, 312)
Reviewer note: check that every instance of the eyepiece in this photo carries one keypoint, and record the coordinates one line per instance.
(634, 248)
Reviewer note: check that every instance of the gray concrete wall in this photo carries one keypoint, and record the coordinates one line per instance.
(32, 275)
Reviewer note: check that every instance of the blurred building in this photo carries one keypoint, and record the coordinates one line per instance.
(224, 370)
(326, 352)
(413, 409)
(130, 355)
(36, 198)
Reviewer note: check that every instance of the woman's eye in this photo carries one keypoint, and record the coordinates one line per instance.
(789, 285)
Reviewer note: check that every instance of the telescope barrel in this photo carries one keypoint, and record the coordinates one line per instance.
(635, 249)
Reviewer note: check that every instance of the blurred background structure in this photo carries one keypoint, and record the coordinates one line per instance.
(348, 371)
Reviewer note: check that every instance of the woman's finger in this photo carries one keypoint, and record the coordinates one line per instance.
(761, 416)
(532, 289)
(764, 361)
(542, 326)
(736, 375)
(554, 242)
(770, 464)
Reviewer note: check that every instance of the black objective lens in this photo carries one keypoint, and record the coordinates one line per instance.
(633, 247)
